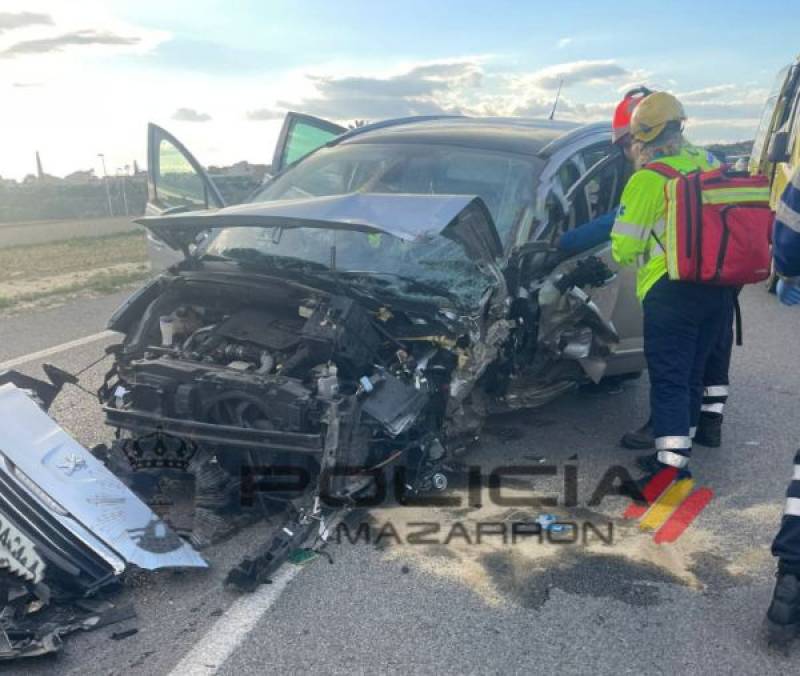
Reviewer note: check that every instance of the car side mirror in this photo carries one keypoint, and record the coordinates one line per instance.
(779, 147)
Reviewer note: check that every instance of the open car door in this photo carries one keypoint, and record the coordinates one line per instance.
(175, 179)
(611, 308)
(176, 182)
(300, 135)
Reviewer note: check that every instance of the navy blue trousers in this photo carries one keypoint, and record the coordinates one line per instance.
(787, 543)
(683, 323)
(716, 379)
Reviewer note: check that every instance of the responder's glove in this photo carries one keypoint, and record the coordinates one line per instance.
(788, 290)
(590, 271)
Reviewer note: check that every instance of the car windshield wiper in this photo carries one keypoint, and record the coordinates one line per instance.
(409, 283)
(245, 256)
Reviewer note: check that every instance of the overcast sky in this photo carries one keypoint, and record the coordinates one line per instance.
(82, 78)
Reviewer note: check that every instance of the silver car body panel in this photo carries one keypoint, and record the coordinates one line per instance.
(18, 553)
(79, 492)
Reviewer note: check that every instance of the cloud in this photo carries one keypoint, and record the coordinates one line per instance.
(738, 123)
(190, 115)
(264, 114)
(444, 70)
(565, 110)
(11, 20)
(564, 42)
(368, 86)
(706, 93)
(425, 89)
(57, 43)
(576, 72)
(370, 108)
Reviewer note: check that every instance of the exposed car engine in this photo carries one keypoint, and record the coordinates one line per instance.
(313, 382)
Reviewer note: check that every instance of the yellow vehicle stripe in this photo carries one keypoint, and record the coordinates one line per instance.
(669, 501)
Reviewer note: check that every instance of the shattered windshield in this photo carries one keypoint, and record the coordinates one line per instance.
(429, 265)
(504, 181)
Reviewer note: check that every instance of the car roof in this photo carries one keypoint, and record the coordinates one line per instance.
(539, 137)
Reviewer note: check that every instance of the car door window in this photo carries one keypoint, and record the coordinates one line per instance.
(179, 185)
(795, 124)
(599, 192)
(301, 135)
(765, 126)
(176, 181)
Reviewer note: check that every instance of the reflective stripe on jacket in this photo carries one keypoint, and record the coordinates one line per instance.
(786, 236)
(639, 226)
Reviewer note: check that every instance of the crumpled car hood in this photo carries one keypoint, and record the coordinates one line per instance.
(461, 218)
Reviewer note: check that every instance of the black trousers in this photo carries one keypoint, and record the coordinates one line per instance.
(787, 543)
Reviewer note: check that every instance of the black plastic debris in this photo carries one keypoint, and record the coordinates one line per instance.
(255, 571)
(35, 618)
(127, 633)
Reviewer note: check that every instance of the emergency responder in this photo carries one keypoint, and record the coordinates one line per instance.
(598, 230)
(682, 321)
(784, 611)
(715, 378)
(594, 233)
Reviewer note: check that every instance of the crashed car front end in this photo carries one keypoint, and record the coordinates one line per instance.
(298, 350)
(246, 361)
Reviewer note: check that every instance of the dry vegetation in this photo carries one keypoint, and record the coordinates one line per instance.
(44, 274)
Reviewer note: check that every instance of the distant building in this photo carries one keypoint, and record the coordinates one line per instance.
(81, 177)
(241, 169)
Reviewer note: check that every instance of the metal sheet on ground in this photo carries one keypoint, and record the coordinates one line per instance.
(42, 453)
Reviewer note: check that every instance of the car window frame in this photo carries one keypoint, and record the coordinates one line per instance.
(550, 184)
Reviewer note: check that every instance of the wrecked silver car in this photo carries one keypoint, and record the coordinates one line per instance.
(369, 307)
(372, 304)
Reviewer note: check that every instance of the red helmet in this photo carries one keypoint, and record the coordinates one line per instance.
(621, 124)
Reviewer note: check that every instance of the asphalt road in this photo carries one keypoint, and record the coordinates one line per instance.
(695, 606)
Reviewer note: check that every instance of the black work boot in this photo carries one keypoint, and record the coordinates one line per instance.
(709, 430)
(654, 475)
(639, 440)
(650, 465)
(783, 616)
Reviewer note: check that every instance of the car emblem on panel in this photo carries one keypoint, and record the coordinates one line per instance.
(72, 463)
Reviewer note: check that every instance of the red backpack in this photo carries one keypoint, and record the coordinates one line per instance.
(718, 226)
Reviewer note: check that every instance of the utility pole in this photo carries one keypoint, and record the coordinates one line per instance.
(123, 174)
(105, 182)
(555, 103)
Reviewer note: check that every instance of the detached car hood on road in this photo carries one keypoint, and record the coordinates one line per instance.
(461, 218)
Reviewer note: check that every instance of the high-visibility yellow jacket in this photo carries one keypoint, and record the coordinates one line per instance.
(640, 226)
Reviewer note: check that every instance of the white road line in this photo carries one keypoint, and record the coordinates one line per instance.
(50, 351)
(219, 642)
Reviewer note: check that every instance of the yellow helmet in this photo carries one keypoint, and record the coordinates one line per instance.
(652, 115)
